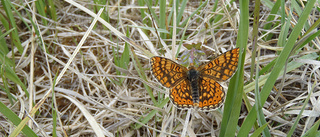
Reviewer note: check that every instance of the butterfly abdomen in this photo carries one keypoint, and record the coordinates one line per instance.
(193, 76)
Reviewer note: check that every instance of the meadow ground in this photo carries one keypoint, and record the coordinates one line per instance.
(81, 68)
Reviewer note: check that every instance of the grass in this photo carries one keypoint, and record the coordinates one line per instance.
(74, 68)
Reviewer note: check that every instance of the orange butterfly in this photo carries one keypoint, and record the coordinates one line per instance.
(196, 87)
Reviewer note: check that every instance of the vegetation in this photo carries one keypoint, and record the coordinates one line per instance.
(81, 68)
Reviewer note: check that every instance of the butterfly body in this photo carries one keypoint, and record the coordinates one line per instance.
(196, 87)
(193, 77)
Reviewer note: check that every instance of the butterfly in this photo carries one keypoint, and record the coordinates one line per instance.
(196, 87)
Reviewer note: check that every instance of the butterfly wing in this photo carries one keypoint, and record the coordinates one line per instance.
(167, 72)
(180, 95)
(211, 94)
(174, 76)
(222, 67)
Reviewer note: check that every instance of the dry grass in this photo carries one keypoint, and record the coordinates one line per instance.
(103, 85)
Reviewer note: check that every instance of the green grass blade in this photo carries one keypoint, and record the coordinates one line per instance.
(4, 50)
(255, 36)
(233, 100)
(10, 74)
(162, 16)
(146, 119)
(284, 33)
(286, 51)
(271, 17)
(54, 108)
(6, 86)
(100, 4)
(258, 131)
(306, 39)
(3, 45)
(41, 10)
(153, 13)
(290, 67)
(293, 128)
(313, 131)
(12, 117)
(251, 118)
(14, 35)
(142, 74)
(258, 105)
(142, 11)
(181, 11)
(314, 26)
(52, 9)
(268, 3)
(282, 59)
(193, 13)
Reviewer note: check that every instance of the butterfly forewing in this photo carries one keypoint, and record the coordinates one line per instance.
(222, 67)
(167, 72)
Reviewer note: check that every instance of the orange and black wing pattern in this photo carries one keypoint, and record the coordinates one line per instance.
(174, 76)
(167, 72)
(222, 67)
(180, 95)
(206, 94)
(211, 94)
